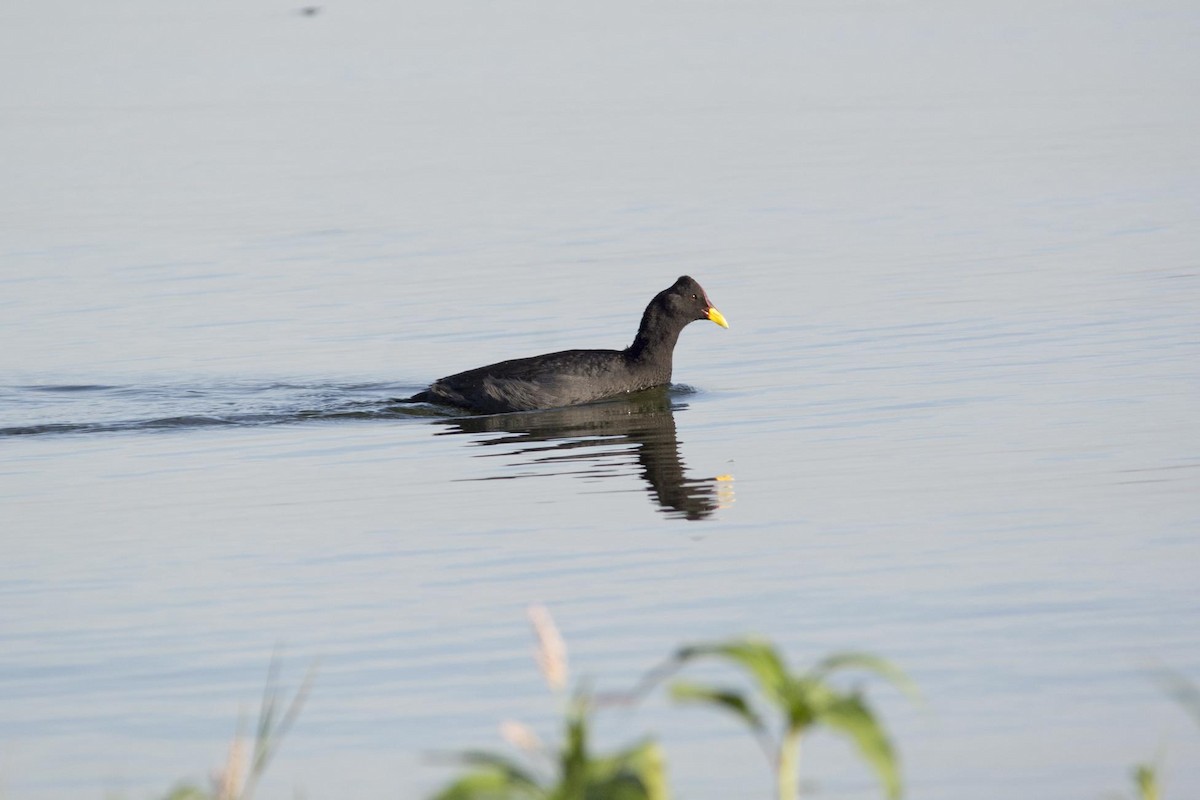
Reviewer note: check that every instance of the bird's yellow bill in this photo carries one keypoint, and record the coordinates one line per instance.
(717, 317)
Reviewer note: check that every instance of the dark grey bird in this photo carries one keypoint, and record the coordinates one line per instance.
(571, 377)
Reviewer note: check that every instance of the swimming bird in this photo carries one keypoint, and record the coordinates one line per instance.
(571, 377)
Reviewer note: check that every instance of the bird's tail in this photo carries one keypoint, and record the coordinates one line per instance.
(419, 397)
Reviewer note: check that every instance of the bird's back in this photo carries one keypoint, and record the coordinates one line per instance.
(564, 378)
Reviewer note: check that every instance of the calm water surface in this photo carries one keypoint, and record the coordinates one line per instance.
(953, 421)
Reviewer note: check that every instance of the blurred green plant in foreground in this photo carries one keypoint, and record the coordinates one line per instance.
(801, 701)
(1187, 695)
(570, 771)
(782, 706)
(275, 719)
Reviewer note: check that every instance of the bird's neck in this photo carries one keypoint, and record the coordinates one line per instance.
(655, 341)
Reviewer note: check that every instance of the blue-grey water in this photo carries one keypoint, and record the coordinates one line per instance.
(953, 422)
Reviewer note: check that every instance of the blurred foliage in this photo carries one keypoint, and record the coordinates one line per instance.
(779, 708)
(1186, 695)
(275, 718)
(571, 771)
(799, 701)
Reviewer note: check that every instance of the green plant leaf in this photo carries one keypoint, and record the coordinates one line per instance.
(649, 763)
(729, 699)
(621, 786)
(1145, 777)
(757, 657)
(514, 774)
(574, 757)
(867, 663)
(804, 700)
(188, 791)
(636, 773)
(488, 783)
(851, 716)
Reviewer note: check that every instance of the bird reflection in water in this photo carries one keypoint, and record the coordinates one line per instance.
(599, 440)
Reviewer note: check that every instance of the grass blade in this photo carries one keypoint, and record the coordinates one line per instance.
(757, 657)
(868, 663)
(728, 699)
(851, 716)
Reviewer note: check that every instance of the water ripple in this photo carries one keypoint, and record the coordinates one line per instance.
(41, 410)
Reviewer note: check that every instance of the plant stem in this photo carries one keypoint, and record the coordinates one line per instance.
(789, 765)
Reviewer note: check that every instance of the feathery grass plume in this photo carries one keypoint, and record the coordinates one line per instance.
(520, 736)
(551, 654)
(229, 780)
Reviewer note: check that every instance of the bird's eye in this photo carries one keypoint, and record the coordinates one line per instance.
(695, 298)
